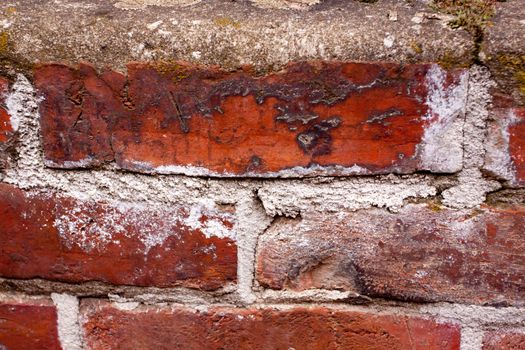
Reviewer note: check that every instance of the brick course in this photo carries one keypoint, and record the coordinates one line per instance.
(323, 117)
(64, 239)
(107, 327)
(422, 253)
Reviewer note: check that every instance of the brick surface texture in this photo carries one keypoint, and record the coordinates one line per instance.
(298, 328)
(63, 239)
(326, 117)
(503, 340)
(28, 324)
(421, 253)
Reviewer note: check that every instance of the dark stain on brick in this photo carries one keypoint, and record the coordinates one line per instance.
(190, 115)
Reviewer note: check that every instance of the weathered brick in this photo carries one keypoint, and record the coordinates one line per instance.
(107, 327)
(505, 147)
(322, 117)
(504, 340)
(6, 128)
(421, 253)
(64, 239)
(28, 324)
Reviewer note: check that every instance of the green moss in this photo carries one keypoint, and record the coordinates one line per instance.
(416, 47)
(520, 77)
(434, 206)
(516, 65)
(226, 21)
(172, 69)
(472, 15)
(9, 60)
(9, 11)
(449, 59)
(4, 42)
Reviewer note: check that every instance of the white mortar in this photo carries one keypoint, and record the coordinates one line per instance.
(68, 326)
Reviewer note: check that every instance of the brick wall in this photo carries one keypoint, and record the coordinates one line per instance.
(320, 203)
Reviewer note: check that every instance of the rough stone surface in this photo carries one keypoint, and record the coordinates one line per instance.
(504, 340)
(64, 239)
(228, 33)
(503, 50)
(6, 128)
(107, 326)
(422, 253)
(324, 118)
(505, 146)
(28, 324)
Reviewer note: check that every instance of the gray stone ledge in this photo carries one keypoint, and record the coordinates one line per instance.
(226, 33)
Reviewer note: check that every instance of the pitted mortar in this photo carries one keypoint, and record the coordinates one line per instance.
(309, 295)
(255, 221)
(69, 331)
(473, 186)
(290, 198)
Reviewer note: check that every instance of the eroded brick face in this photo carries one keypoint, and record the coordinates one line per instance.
(504, 340)
(6, 128)
(421, 253)
(313, 118)
(28, 324)
(505, 147)
(64, 239)
(107, 327)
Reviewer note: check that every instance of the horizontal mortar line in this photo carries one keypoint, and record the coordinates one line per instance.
(86, 288)
(446, 311)
(232, 177)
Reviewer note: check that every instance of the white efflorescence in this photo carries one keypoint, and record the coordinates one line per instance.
(441, 147)
(498, 160)
(83, 227)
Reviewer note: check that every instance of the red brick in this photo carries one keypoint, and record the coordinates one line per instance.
(421, 253)
(27, 325)
(6, 128)
(336, 118)
(505, 147)
(504, 341)
(65, 239)
(107, 327)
